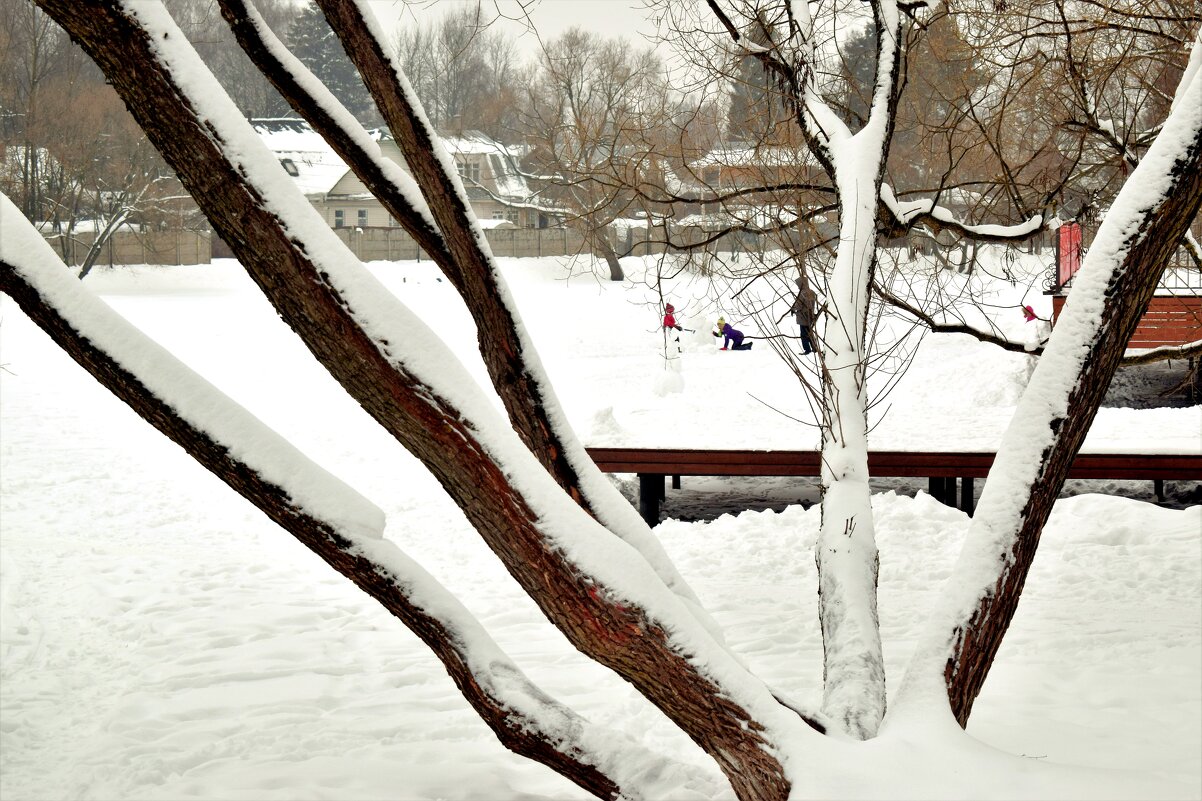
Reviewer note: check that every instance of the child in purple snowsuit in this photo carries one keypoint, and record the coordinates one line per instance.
(733, 339)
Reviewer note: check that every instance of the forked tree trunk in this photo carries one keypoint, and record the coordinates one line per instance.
(516, 730)
(629, 639)
(511, 360)
(846, 552)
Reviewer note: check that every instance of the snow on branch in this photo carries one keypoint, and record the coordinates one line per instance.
(509, 353)
(1110, 292)
(599, 590)
(1190, 350)
(912, 7)
(939, 327)
(309, 97)
(343, 527)
(906, 214)
(469, 267)
(29, 260)
(795, 77)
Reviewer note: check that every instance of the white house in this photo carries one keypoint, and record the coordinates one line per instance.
(494, 186)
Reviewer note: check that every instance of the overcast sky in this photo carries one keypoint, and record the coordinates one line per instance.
(608, 18)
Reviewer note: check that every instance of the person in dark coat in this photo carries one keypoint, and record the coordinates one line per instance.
(805, 311)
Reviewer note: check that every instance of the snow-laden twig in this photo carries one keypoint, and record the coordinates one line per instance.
(908, 214)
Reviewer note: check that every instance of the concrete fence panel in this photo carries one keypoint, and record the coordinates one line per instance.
(130, 247)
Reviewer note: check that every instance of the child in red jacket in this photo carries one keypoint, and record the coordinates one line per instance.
(670, 317)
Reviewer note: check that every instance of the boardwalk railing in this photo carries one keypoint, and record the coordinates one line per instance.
(941, 468)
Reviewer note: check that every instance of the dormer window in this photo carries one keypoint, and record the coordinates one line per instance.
(469, 170)
(290, 167)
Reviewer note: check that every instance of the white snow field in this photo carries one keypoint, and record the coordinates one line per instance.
(161, 639)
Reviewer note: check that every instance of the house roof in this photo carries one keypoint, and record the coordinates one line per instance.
(307, 157)
(739, 154)
(317, 169)
(503, 162)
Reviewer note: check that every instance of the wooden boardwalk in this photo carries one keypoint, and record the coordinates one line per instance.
(943, 469)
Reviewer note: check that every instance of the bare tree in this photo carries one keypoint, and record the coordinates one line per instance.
(524, 483)
(32, 52)
(464, 71)
(1073, 95)
(83, 168)
(591, 113)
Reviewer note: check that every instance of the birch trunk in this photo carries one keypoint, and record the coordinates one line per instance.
(846, 552)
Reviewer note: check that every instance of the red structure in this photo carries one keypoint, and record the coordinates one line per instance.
(1068, 252)
(1174, 316)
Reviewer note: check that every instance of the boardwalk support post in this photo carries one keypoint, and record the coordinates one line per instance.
(966, 497)
(651, 492)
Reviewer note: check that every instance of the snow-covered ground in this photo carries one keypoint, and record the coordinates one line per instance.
(160, 639)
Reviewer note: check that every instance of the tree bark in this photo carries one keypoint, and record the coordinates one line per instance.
(601, 236)
(441, 631)
(1127, 298)
(508, 354)
(1145, 238)
(628, 639)
(459, 255)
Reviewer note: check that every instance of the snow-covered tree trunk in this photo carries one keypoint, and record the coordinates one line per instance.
(1110, 294)
(330, 518)
(509, 355)
(602, 593)
(613, 594)
(846, 552)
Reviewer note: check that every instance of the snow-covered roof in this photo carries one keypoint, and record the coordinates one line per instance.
(307, 157)
(472, 143)
(738, 154)
(317, 169)
(502, 161)
(488, 223)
